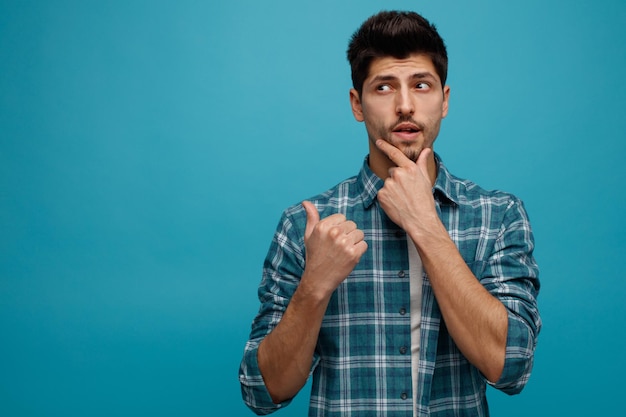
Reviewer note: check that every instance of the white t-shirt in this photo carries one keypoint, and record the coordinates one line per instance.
(416, 271)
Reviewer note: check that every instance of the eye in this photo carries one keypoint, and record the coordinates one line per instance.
(422, 86)
(383, 87)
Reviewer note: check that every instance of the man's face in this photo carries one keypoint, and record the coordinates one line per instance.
(402, 103)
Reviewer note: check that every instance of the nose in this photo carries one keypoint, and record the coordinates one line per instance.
(404, 103)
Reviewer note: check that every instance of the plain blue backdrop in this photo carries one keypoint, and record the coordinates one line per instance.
(147, 149)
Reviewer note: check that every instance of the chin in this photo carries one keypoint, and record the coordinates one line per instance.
(412, 156)
(411, 152)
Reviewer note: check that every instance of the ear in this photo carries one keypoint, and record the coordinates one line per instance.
(355, 103)
(446, 101)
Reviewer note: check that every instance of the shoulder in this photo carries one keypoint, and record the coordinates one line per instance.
(465, 192)
(478, 206)
(330, 201)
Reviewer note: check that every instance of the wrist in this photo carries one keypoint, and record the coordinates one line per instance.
(311, 292)
(427, 229)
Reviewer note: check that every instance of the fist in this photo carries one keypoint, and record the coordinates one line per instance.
(334, 247)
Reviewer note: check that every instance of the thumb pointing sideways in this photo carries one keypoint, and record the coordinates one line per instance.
(312, 217)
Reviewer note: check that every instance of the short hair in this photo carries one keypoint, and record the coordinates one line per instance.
(397, 34)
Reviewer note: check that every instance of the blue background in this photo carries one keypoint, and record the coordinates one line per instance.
(147, 149)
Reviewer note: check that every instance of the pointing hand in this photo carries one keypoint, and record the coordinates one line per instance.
(334, 246)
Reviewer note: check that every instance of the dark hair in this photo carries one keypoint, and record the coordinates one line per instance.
(397, 34)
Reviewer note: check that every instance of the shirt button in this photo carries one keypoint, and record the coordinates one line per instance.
(402, 311)
(404, 396)
(401, 274)
(403, 350)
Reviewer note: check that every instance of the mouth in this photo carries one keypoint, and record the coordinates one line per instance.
(407, 131)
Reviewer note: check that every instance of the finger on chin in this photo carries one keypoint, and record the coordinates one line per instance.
(393, 153)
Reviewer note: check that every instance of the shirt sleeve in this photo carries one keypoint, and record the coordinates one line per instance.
(282, 269)
(512, 275)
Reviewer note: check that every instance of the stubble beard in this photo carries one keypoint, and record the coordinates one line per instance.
(411, 151)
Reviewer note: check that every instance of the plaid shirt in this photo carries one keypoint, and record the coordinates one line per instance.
(362, 362)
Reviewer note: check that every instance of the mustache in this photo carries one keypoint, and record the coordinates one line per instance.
(408, 119)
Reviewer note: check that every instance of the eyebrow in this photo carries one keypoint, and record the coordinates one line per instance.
(416, 76)
(422, 75)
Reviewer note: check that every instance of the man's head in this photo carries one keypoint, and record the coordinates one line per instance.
(395, 34)
(399, 68)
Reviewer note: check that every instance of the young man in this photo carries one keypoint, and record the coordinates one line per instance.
(404, 290)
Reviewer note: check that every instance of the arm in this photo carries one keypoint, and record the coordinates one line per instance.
(334, 246)
(510, 274)
(476, 320)
(285, 356)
